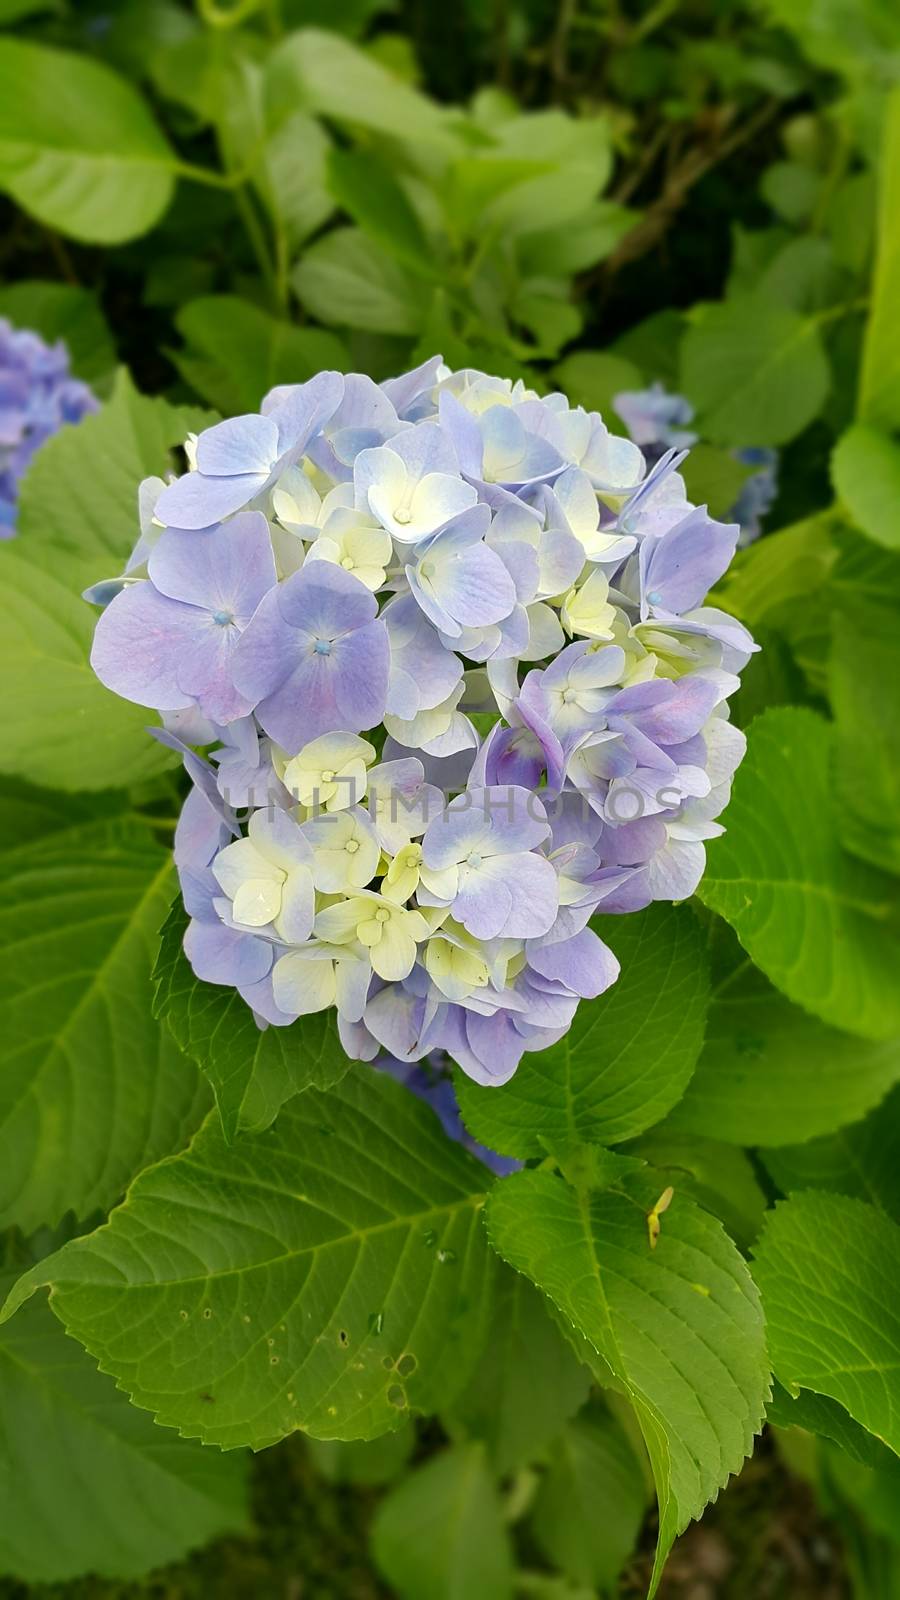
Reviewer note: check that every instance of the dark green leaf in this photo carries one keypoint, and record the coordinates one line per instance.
(502, 1405)
(591, 1501)
(366, 189)
(91, 1484)
(862, 1160)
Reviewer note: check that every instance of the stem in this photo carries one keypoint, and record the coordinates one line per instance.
(258, 243)
(215, 16)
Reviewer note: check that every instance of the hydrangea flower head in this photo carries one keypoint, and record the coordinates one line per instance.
(38, 396)
(437, 658)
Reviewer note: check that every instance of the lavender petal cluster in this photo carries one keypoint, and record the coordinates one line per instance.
(38, 396)
(659, 421)
(436, 657)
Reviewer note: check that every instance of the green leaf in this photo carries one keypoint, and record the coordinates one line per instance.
(78, 515)
(720, 1178)
(331, 1274)
(714, 478)
(348, 280)
(591, 1501)
(593, 378)
(92, 1485)
(787, 566)
(865, 694)
(61, 728)
(371, 196)
(679, 1328)
(236, 352)
(626, 1058)
(822, 926)
(64, 311)
(364, 1463)
(78, 523)
(771, 1074)
(91, 1089)
(791, 188)
(863, 1160)
(865, 468)
(756, 371)
(252, 1070)
(318, 72)
(441, 1532)
(818, 1414)
(879, 387)
(502, 1405)
(79, 149)
(827, 1271)
(804, 275)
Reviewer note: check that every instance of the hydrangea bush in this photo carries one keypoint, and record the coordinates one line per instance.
(38, 395)
(446, 645)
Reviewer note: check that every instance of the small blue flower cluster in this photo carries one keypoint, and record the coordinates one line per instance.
(38, 396)
(445, 645)
(659, 421)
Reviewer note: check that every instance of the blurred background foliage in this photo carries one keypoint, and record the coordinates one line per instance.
(595, 195)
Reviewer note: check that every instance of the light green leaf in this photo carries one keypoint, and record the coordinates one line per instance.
(822, 926)
(879, 387)
(785, 567)
(330, 1274)
(346, 279)
(61, 728)
(91, 1484)
(679, 1328)
(591, 1501)
(865, 695)
(64, 311)
(319, 72)
(502, 1405)
(865, 468)
(863, 1160)
(756, 371)
(827, 1270)
(252, 1070)
(441, 1532)
(586, 240)
(91, 1089)
(771, 1074)
(78, 515)
(626, 1058)
(79, 149)
(371, 196)
(236, 352)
